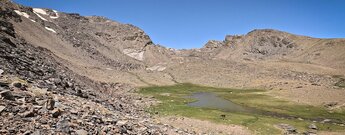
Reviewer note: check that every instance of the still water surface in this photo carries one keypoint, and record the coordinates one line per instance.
(212, 101)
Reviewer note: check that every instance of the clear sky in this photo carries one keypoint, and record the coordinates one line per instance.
(191, 23)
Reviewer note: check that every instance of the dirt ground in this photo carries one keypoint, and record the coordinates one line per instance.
(204, 127)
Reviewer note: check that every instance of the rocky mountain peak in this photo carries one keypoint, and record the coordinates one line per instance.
(266, 31)
(211, 44)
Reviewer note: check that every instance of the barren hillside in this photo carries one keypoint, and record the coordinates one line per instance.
(94, 59)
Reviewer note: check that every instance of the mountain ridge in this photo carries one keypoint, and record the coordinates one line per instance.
(94, 59)
(97, 38)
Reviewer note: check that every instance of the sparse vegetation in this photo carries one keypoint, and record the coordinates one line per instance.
(174, 103)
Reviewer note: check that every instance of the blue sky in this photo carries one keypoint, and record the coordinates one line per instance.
(191, 23)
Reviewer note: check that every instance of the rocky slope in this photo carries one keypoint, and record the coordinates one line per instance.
(41, 95)
(81, 62)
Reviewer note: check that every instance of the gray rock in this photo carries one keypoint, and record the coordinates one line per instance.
(326, 121)
(2, 108)
(43, 120)
(121, 122)
(310, 133)
(36, 133)
(81, 132)
(7, 95)
(288, 128)
(312, 126)
(63, 125)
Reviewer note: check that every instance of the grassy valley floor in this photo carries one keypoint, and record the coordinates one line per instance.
(268, 112)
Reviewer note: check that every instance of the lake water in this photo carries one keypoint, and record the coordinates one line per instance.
(212, 101)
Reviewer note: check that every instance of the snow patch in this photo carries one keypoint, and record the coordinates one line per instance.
(156, 68)
(32, 20)
(39, 11)
(54, 17)
(139, 55)
(50, 29)
(22, 13)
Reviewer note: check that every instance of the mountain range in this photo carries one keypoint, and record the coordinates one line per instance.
(102, 61)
